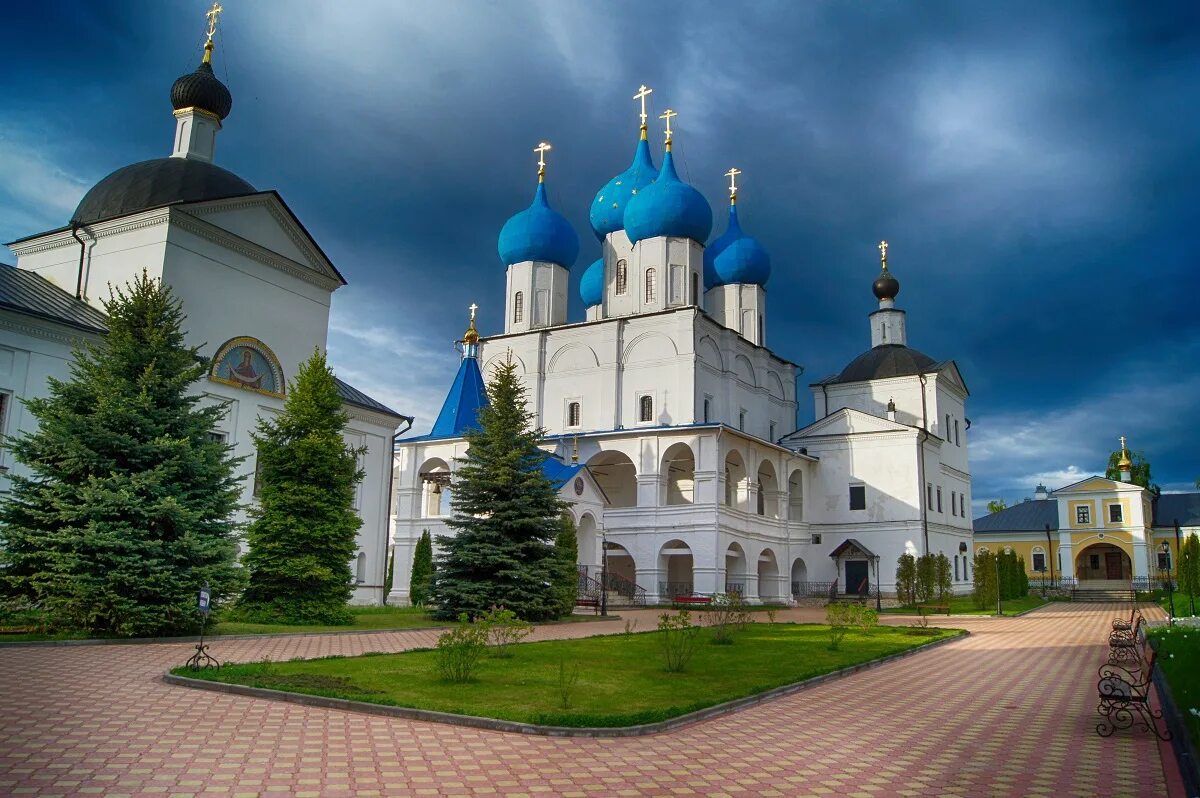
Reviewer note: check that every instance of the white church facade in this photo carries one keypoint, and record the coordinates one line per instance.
(671, 426)
(256, 289)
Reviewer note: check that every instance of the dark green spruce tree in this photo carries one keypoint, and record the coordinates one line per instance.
(127, 510)
(566, 546)
(506, 514)
(421, 575)
(304, 531)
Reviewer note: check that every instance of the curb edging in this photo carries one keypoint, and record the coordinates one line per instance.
(495, 724)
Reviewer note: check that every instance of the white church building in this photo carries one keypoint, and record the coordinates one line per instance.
(254, 285)
(672, 426)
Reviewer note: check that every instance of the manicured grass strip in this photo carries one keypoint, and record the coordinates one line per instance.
(1179, 658)
(622, 679)
(365, 619)
(965, 605)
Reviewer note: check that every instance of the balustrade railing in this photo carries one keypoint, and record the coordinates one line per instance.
(736, 588)
(670, 590)
(813, 589)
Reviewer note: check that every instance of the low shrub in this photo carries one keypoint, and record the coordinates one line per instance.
(460, 649)
(724, 615)
(503, 630)
(678, 638)
(842, 617)
(568, 677)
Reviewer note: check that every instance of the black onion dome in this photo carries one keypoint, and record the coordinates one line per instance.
(153, 184)
(885, 286)
(201, 89)
(889, 360)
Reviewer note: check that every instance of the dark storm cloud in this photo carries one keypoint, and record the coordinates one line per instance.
(1033, 165)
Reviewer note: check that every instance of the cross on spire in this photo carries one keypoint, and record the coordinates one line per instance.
(644, 91)
(732, 175)
(883, 247)
(541, 150)
(1122, 443)
(473, 307)
(212, 14)
(667, 115)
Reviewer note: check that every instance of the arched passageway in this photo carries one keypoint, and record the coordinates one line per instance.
(679, 470)
(768, 488)
(675, 566)
(799, 577)
(735, 476)
(768, 577)
(735, 569)
(616, 476)
(1103, 561)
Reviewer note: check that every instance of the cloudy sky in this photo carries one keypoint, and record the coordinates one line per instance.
(1034, 166)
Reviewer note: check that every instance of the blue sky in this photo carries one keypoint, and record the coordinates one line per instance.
(1033, 165)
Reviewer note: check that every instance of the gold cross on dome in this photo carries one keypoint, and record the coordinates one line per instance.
(883, 245)
(212, 15)
(732, 175)
(644, 91)
(541, 150)
(1122, 443)
(473, 308)
(667, 116)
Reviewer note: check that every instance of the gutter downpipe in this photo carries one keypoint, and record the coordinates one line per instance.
(825, 394)
(82, 250)
(391, 480)
(921, 466)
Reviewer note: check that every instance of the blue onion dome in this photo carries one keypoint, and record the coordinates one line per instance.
(668, 207)
(739, 258)
(608, 208)
(733, 232)
(591, 285)
(538, 233)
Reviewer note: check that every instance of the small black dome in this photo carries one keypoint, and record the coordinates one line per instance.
(201, 89)
(886, 286)
(889, 360)
(153, 184)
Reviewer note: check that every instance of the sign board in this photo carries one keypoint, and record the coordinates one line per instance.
(203, 600)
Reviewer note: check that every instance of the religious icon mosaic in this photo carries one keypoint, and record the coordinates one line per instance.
(248, 363)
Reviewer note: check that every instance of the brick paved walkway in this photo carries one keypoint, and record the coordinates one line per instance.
(1008, 711)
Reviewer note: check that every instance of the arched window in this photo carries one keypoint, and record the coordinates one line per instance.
(622, 278)
(1038, 557)
(573, 414)
(695, 289)
(742, 421)
(707, 407)
(360, 571)
(518, 307)
(649, 285)
(646, 408)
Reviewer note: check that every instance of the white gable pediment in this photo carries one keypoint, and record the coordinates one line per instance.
(847, 421)
(951, 375)
(267, 226)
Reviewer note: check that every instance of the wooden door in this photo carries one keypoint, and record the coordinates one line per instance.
(1112, 565)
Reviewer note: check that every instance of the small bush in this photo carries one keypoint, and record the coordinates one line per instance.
(842, 617)
(460, 649)
(503, 629)
(771, 613)
(724, 615)
(630, 625)
(906, 580)
(568, 677)
(678, 639)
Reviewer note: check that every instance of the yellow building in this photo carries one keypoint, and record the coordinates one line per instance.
(1096, 530)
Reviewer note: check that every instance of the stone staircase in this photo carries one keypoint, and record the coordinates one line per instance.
(1108, 590)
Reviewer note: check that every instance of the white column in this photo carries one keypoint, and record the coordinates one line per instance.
(1066, 553)
(195, 134)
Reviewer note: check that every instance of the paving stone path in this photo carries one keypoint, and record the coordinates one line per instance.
(1008, 711)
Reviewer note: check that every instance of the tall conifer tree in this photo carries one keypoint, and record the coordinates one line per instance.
(128, 508)
(506, 514)
(304, 531)
(421, 575)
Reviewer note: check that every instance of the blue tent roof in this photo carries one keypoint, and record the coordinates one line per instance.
(461, 408)
(558, 472)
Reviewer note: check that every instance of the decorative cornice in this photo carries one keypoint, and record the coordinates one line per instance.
(235, 243)
(369, 416)
(92, 232)
(51, 332)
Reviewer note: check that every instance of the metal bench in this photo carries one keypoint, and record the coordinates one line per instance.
(1125, 684)
(1122, 625)
(930, 608)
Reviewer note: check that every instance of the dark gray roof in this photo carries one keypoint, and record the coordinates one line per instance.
(156, 183)
(27, 292)
(201, 89)
(1181, 507)
(353, 396)
(888, 360)
(1030, 516)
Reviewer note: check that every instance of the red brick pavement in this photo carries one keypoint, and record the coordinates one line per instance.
(1008, 711)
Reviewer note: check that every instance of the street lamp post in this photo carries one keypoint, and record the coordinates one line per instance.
(878, 604)
(996, 561)
(604, 573)
(1165, 548)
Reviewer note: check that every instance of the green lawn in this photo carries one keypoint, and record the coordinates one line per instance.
(1179, 658)
(965, 605)
(622, 678)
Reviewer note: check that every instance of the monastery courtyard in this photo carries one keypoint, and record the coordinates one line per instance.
(1008, 711)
